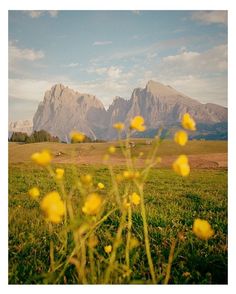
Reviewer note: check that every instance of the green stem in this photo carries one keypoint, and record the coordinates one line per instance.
(129, 226)
(115, 247)
(170, 261)
(92, 266)
(51, 250)
(83, 262)
(146, 236)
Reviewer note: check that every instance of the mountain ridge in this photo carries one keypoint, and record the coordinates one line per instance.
(64, 109)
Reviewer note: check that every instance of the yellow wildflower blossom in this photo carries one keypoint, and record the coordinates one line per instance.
(181, 138)
(112, 149)
(59, 173)
(77, 136)
(108, 249)
(93, 204)
(181, 166)
(188, 122)
(101, 186)
(53, 207)
(119, 126)
(86, 179)
(128, 174)
(202, 229)
(42, 158)
(133, 243)
(137, 123)
(135, 198)
(34, 193)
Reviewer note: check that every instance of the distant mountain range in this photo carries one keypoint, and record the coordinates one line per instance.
(24, 126)
(64, 109)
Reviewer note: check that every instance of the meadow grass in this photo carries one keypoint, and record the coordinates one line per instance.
(172, 204)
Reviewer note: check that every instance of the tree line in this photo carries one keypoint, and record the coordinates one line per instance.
(41, 136)
(36, 136)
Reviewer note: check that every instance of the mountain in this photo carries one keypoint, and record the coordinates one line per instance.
(64, 109)
(24, 126)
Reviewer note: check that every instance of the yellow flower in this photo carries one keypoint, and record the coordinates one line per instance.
(59, 173)
(181, 166)
(42, 158)
(53, 207)
(34, 192)
(101, 186)
(181, 138)
(135, 198)
(137, 123)
(112, 149)
(202, 229)
(86, 179)
(188, 122)
(108, 249)
(133, 243)
(92, 204)
(119, 126)
(128, 174)
(77, 136)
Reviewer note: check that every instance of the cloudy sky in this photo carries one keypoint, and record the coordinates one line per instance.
(109, 53)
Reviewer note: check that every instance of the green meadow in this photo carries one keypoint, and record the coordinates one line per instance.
(172, 203)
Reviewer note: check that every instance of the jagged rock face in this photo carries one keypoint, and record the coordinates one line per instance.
(160, 104)
(24, 126)
(64, 110)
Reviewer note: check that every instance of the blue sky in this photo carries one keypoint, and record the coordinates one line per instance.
(109, 53)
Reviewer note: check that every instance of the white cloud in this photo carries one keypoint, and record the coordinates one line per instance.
(112, 72)
(210, 17)
(38, 13)
(102, 43)
(213, 60)
(16, 53)
(152, 55)
(72, 64)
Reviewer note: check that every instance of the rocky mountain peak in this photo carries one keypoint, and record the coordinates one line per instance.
(156, 88)
(64, 109)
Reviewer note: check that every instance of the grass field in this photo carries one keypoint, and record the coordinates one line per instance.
(172, 204)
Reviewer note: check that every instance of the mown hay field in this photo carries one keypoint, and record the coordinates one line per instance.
(172, 204)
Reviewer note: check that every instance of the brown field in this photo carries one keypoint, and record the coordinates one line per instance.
(202, 154)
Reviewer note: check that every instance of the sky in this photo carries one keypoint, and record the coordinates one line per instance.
(109, 53)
